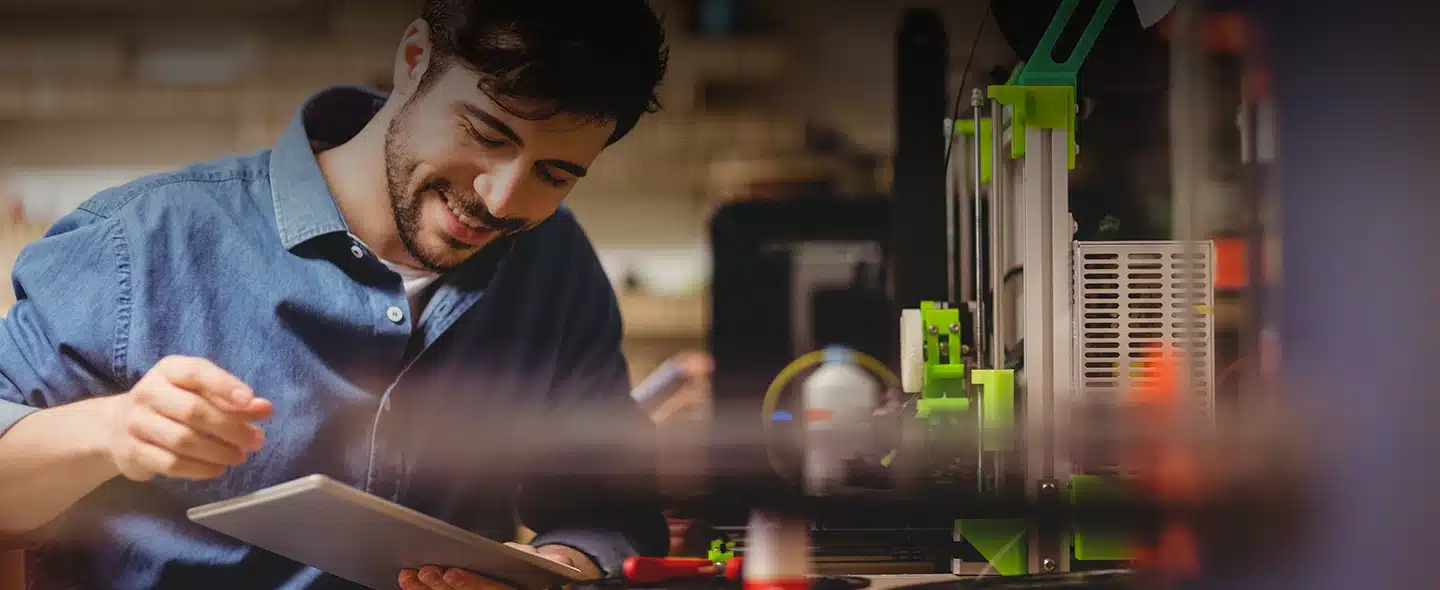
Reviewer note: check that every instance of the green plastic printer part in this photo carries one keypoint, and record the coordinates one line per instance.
(1001, 541)
(997, 407)
(944, 388)
(1093, 539)
(1038, 107)
(1041, 92)
(721, 551)
(1042, 69)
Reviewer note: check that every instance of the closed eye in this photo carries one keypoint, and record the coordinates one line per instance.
(475, 134)
(550, 178)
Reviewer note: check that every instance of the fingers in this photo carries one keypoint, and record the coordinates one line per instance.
(458, 579)
(410, 580)
(186, 419)
(433, 578)
(209, 381)
(197, 413)
(152, 460)
(184, 441)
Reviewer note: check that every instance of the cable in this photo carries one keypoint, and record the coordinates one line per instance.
(960, 94)
(803, 362)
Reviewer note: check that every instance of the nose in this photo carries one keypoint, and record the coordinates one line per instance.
(500, 188)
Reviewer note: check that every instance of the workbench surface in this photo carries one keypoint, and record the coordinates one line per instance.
(1092, 580)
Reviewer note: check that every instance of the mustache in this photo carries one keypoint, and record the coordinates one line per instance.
(504, 225)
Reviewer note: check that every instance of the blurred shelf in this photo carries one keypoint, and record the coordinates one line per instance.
(700, 63)
(76, 100)
(741, 58)
(665, 316)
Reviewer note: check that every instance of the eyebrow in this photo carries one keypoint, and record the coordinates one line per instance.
(503, 129)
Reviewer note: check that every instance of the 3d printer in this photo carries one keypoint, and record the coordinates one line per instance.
(961, 438)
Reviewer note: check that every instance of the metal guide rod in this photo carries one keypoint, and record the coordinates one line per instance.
(998, 337)
(954, 181)
(977, 102)
(998, 266)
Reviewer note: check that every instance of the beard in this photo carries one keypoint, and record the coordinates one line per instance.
(407, 202)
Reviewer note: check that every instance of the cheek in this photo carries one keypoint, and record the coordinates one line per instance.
(436, 144)
(440, 153)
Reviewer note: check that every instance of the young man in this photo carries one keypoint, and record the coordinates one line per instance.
(390, 296)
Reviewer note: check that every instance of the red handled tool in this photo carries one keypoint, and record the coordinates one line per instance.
(651, 570)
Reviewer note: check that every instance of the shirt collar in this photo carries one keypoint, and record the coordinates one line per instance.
(304, 207)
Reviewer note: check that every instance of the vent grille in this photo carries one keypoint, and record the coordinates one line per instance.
(1134, 298)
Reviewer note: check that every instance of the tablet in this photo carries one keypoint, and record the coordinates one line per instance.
(367, 540)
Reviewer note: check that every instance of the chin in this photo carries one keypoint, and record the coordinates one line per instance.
(442, 249)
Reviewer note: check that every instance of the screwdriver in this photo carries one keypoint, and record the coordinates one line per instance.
(650, 570)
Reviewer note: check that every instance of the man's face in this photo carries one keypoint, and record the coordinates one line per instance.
(462, 171)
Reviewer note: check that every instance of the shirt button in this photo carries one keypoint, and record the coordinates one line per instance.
(395, 314)
(356, 251)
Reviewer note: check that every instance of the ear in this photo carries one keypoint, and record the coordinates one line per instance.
(413, 57)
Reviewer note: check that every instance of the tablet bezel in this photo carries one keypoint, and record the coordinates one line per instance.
(237, 518)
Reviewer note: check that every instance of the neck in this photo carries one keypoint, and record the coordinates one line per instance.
(362, 192)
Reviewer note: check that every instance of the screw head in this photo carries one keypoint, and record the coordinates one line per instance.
(933, 329)
(954, 328)
(1048, 486)
(1048, 565)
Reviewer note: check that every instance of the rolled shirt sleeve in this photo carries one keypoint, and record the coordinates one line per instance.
(65, 338)
(11, 413)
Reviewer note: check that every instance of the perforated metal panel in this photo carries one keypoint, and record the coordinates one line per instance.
(1132, 298)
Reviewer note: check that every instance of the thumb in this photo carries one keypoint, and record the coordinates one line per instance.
(545, 552)
(558, 555)
(559, 558)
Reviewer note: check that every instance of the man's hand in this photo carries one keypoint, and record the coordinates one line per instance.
(435, 578)
(186, 418)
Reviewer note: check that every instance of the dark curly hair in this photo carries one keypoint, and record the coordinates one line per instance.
(597, 59)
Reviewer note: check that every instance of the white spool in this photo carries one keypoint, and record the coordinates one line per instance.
(912, 350)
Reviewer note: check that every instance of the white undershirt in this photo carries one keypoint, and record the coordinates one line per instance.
(418, 283)
(418, 287)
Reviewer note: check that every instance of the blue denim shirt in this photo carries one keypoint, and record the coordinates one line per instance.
(246, 261)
